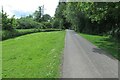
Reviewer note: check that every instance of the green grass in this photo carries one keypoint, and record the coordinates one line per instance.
(35, 55)
(104, 42)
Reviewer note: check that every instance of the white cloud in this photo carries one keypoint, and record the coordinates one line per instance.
(50, 6)
(25, 7)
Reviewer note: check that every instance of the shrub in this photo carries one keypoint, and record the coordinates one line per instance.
(26, 23)
(8, 34)
(47, 25)
(14, 33)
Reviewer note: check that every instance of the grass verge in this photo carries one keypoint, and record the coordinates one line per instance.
(36, 55)
(105, 43)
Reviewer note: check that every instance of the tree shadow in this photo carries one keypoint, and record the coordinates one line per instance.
(100, 51)
(109, 47)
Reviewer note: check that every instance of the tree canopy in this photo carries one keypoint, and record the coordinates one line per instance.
(90, 17)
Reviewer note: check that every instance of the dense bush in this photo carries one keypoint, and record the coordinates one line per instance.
(46, 25)
(8, 34)
(11, 34)
(26, 23)
(14, 33)
(8, 23)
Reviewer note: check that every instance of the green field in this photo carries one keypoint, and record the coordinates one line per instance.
(36, 55)
(105, 43)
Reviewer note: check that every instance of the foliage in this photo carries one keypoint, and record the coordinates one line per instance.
(33, 56)
(90, 17)
(38, 14)
(46, 18)
(55, 23)
(76, 18)
(27, 23)
(105, 43)
(0, 20)
(46, 25)
(11, 34)
(19, 32)
(60, 20)
(8, 23)
(34, 22)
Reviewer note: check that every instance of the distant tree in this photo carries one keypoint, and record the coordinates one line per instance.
(46, 18)
(38, 14)
(0, 20)
(7, 23)
(28, 23)
(30, 16)
(14, 21)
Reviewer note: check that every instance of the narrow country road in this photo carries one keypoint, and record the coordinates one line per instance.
(82, 59)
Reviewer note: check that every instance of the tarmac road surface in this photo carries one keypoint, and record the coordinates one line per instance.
(82, 59)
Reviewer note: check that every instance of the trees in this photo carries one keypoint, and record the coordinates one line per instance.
(43, 20)
(46, 18)
(55, 23)
(27, 23)
(0, 20)
(106, 15)
(75, 16)
(8, 23)
(90, 17)
(38, 14)
(60, 18)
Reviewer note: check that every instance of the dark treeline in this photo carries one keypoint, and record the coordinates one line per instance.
(101, 18)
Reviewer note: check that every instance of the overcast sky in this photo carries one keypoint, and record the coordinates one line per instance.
(25, 7)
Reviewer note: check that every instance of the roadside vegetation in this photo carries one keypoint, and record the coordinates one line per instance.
(105, 43)
(100, 18)
(26, 55)
(19, 32)
(92, 18)
(36, 55)
(12, 27)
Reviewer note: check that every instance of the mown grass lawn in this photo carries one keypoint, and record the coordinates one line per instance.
(104, 42)
(36, 55)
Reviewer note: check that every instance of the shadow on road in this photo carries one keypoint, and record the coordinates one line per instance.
(100, 51)
(110, 45)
